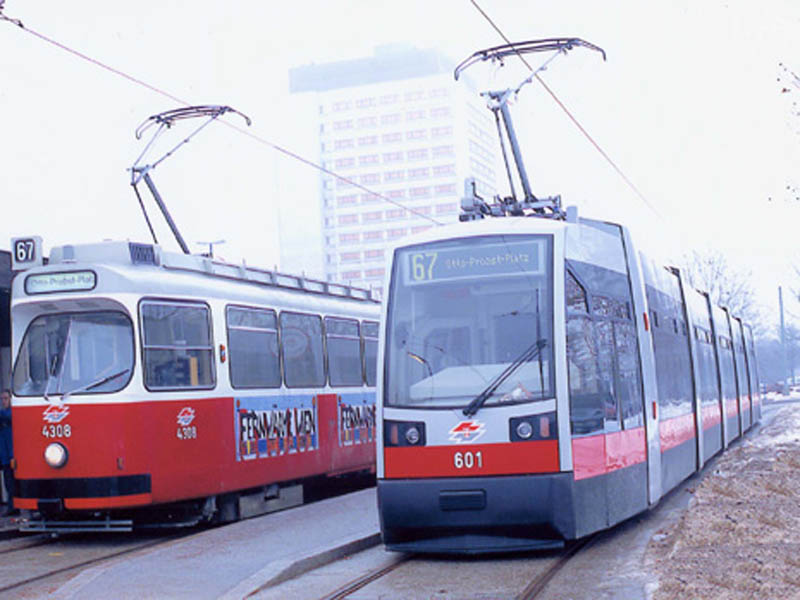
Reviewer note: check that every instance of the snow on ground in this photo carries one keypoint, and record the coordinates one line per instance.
(739, 538)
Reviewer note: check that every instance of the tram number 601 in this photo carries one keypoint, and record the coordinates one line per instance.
(468, 460)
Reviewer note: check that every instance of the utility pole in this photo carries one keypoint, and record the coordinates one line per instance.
(783, 345)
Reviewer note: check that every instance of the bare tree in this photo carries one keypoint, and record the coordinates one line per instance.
(789, 86)
(728, 287)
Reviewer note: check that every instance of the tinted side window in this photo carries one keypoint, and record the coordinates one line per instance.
(369, 329)
(670, 346)
(630, 390)
(253, 347)
(178, 350)
(587, 392)
(602, 351)
(605, 360)
(576, 295)
(344, 351)
(301, 346)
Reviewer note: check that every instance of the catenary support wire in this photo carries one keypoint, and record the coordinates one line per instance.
(251, 135)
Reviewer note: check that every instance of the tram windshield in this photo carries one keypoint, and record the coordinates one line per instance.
(62, 354)
(470, 323)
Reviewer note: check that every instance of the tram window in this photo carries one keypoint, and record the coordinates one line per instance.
(654, 318)
(369, 329)
(344, 351)
(605, 306)
(78, 353)
(178, 351)
(301, 346)
(629, 381)
(451, 333)
(605, 359)
(576, 295)
(586, 394)
(253, 347)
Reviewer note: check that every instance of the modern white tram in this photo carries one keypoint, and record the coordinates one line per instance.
(541, 379)
(153, 387)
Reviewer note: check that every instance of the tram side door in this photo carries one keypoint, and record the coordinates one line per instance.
(648, 363)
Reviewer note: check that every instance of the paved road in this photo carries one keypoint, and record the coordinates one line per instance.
(235, 560)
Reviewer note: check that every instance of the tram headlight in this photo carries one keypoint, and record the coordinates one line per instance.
(412, 435)
(530, 428)
(403, 433)
(56, 455)
(524, 429)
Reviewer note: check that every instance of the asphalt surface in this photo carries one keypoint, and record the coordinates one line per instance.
(239, 559)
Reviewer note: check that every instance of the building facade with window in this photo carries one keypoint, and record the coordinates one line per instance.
(397, 124)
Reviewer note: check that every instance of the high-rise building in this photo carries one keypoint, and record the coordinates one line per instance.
(399, 125)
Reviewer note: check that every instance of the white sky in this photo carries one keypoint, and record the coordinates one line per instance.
(687, 105)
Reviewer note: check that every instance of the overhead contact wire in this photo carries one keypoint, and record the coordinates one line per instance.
(249, 134)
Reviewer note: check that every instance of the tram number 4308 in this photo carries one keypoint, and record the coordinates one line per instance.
(468, 460)
(186, 433)
(56, 431)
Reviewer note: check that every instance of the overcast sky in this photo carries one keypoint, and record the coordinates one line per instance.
(687, 105)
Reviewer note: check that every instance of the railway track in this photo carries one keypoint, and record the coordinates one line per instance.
(363, 581)
(543, 569)
(29, 564)
(539, 583)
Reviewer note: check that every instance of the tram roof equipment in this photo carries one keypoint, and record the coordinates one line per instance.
(138, 254)
(473, 205)
(166, 120)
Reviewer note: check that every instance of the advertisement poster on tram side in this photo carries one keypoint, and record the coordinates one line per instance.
(356, 416)
(270, 426)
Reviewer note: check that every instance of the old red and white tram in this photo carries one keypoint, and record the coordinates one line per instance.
(151, 386)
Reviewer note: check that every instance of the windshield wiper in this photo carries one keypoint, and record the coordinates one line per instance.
(528, 355)
(95, 384)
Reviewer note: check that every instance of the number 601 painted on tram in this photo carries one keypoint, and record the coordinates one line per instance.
(468, 460)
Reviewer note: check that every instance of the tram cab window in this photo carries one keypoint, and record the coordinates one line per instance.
(75, 353)
(301, 346)
(343, 340)
(369, 330)
(471, 318)
(178, 350)
(253, 347)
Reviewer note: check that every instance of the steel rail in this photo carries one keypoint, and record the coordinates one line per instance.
(540, 582)
(365, 580)
(81, 565)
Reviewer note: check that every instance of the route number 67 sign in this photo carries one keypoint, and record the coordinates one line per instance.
(26, 252)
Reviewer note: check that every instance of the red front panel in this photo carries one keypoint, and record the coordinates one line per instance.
(467, 460)
(187, 447)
